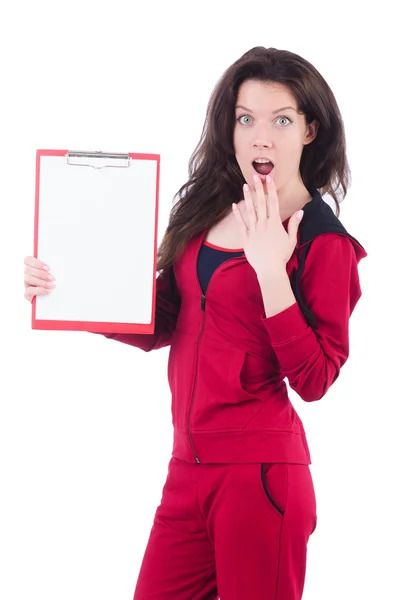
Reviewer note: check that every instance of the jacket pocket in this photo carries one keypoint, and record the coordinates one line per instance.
(274, 478)
(219, 375)
(257, 373)
(231, 374)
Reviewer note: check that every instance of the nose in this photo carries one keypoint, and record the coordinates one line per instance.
(261, 137)
(262, 144)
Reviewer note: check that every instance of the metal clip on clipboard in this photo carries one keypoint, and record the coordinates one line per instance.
(118, 160)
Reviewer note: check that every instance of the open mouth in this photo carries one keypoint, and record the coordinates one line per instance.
(263, 168)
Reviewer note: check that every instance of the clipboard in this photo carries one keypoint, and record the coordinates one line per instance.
(95, 225)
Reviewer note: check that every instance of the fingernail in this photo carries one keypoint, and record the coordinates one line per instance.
(45, 268)
(256, 178)
(268, 179)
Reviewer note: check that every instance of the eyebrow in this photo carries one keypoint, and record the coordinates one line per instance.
(274, 112)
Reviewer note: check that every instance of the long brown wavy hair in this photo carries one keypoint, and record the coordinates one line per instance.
(215, 179)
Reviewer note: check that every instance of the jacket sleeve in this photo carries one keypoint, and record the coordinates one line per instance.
(311, 359)
(166, 316)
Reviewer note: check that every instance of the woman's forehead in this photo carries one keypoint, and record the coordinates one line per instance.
(264, 96)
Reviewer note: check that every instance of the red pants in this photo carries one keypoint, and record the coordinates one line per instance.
(238, 531)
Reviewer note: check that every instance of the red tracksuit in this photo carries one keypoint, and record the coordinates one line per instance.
(238, 505)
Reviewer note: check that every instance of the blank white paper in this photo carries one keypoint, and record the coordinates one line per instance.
(96, 231)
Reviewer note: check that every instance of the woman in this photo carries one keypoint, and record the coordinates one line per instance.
(257, 284)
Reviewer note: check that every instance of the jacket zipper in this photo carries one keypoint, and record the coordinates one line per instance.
(196, 458)
(202, 305)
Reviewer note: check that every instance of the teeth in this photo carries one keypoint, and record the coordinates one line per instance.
(261, 160)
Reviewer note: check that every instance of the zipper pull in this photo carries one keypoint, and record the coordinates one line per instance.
(203, 302)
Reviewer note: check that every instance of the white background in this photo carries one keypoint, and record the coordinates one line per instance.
(85, 423)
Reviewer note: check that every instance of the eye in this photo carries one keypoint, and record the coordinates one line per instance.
(246, 119)
(243, 117)
(287, 118)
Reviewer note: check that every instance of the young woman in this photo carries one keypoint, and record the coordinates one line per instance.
(257, 282)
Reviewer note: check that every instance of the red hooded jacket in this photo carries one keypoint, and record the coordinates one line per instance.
(228, 361)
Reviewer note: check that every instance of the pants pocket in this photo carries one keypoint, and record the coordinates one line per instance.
(275, 485)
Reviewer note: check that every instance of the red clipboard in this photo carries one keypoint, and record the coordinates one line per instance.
(95, 225)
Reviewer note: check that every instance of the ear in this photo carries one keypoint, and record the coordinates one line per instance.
(311, 131)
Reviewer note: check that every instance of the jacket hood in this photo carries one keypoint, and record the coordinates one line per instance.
(320, 218)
